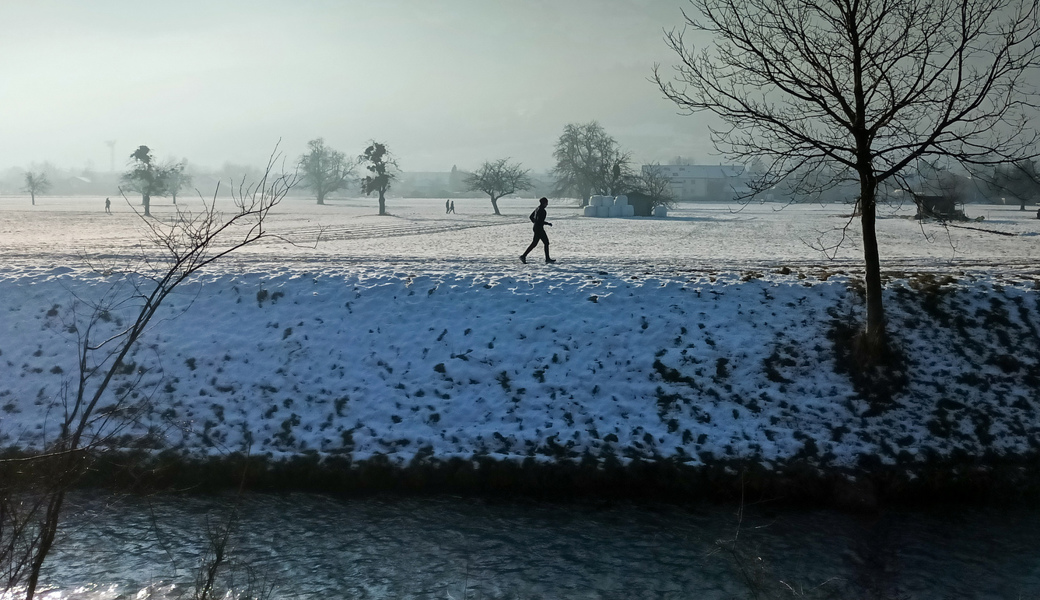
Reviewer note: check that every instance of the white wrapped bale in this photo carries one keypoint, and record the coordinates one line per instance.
(621, 200)
(590, 211)
(629, 210)
(615, 211)
(602, 211)
(660, 211)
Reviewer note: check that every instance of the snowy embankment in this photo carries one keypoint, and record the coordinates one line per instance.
(698, 369)
(711, 343)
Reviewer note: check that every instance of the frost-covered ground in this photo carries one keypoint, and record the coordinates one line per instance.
(699, 337)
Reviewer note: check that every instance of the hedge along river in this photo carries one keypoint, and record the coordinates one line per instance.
(317, 546)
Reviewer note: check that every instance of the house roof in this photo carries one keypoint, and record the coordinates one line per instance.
(699, 171)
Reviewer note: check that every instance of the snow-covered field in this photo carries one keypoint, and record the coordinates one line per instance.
(701, 336)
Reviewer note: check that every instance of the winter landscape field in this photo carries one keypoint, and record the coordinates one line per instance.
(681, 356)
(700, 338)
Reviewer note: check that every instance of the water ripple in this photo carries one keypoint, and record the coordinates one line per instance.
(314, 546)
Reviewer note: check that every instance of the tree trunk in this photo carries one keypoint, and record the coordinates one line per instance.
(174, 197)
(874, 330)
(33, 196)
(494, 204)
(321, 197)
(382, 203)
(146, 200)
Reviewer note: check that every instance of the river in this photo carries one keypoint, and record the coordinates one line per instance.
(304, 546)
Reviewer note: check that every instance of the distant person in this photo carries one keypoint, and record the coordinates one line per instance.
(451, 209)
(108, 206)
(538, 218)
(447, 206)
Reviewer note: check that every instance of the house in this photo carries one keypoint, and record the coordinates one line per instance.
(941, 207)
(704, 183)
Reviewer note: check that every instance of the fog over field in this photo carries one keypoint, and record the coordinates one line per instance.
(445, 83)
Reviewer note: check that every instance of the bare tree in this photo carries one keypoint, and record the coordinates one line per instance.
(868, 87)
(382, 167)
(499, 178)
(653, 182)
(177, 178)
(324, 169)
(36, 183)
(1020, 180)
(589, 161)
(92, 414)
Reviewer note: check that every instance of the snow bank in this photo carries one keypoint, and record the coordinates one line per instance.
(704, 337)
(692, 368)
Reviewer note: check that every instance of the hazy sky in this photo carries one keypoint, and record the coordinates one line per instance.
(443, 82)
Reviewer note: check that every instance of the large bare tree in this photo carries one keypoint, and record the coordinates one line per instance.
(324, 169)
(499, 178)
(866, 86)
(590, 161)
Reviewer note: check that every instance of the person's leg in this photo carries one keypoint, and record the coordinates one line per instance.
(545, 241)
(534, 244)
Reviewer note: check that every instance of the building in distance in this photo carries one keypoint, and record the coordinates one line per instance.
(704, 183)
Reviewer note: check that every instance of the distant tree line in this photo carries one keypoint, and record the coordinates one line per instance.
(588, 161)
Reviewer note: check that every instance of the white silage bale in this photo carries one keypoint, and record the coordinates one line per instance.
(615, 211)
(602, 211)
(590, 211)
(630, 211)
(660, 211)
(621, 200)
(596, 201)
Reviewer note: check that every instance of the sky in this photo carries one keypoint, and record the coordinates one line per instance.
(451, 82)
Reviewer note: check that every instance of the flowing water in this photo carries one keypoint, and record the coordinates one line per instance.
(316, 546)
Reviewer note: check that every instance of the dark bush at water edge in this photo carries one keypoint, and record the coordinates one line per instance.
(964, 480)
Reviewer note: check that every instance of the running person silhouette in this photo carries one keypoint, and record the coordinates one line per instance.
(538, 218)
